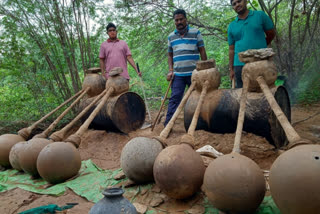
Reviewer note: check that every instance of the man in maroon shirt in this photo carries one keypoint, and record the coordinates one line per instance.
(115, 53)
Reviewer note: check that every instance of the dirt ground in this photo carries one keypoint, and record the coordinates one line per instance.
(105, 150)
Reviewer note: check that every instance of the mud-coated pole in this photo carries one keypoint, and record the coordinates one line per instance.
(165, 132)
(25, 132)
(59, 135)
(76, 138)
(242, 110)
(196, 114)
(46, 132)
(292, 135)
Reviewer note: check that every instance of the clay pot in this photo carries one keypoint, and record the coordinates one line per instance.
(265, 68)
(212, 75)
(113, 202)
(15, 154)
(95, 81)
(234, 183)
(58, 162)
(7, 141)
(29, 154)
(178, 171)
(294, 180)
(137, 158)
(118, 83)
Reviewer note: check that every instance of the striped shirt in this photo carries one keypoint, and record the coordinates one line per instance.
(185, 50)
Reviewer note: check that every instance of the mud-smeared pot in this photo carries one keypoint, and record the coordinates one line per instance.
(113, 202)
(137, 158)
(58, 162)
(178, 171)
(95, 81)
(234, 183)
(7, 141)
(294, 180)
(15, 154)
(29, 155)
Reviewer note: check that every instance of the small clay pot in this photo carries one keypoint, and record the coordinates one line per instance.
(113, 202)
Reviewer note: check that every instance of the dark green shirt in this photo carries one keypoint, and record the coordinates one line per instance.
(248, 33)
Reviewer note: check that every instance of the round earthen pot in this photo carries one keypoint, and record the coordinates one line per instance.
(294, 180)
(234, 183)
(95, 81)
(15, 154)
(58, 162)
(7, 141)
(29, 154)
(137, 158)
(178, 171)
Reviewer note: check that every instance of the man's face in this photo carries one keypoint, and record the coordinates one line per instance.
(112, 33)
(180, 21)
(239, 6)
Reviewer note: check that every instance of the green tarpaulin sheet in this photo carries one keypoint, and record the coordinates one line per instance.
(90, 183)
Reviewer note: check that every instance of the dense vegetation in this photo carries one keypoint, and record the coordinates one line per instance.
(47, 44)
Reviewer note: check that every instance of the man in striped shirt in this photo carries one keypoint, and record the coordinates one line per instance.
(184, 46)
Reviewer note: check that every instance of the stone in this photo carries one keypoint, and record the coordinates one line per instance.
(93, 70)
(253, 55)
(202, 65)
(115, 71)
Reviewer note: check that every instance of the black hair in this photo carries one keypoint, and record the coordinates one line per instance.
(111, 25)
(231, 2)
(180, 11)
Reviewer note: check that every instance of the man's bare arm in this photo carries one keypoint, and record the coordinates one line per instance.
(270, 34)
(102, 67)
(133, 64)
(203, 54)
(170, 64)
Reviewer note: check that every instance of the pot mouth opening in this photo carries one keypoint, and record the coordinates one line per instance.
(112, 192)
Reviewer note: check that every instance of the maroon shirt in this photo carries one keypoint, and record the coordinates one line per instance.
(115, 54)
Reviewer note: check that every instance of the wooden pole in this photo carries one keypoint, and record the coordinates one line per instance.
(194, 121)
(243, 100)
(76, 138)
(291, 133)
(165, 132)
(25, 132)
(233, 83)
(46, 132)
(162, 104)
(60, 135)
